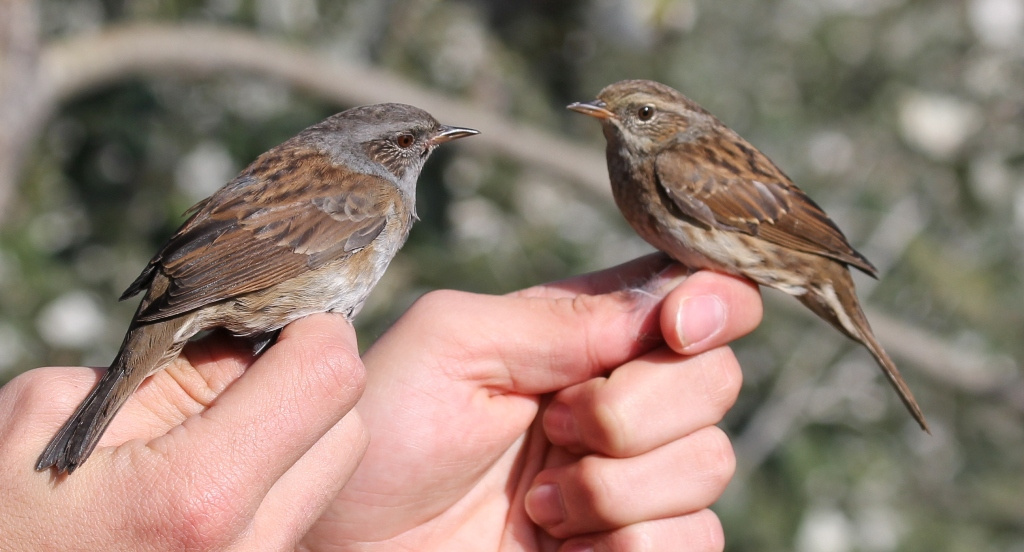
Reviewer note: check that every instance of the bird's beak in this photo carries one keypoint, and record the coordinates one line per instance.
(597, 109)
(448, 133)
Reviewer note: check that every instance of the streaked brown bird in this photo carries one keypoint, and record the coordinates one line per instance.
(696, 190)
(308, 227)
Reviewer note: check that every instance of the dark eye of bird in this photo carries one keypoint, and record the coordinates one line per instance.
(405, 140)
(645, 113)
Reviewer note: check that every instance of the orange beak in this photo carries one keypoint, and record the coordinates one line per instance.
(597, 109)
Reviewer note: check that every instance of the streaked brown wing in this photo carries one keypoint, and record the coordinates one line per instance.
(740, 189)
(268, 225)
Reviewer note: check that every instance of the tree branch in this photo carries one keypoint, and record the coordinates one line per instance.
(81, 63)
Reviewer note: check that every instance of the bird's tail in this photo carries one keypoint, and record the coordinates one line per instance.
(836, 302)
(78, 436)
(145, 350)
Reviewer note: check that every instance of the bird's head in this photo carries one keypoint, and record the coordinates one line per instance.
(645, 116)
(392, 138)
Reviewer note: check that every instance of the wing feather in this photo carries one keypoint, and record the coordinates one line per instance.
(742, 190)
(266, 226)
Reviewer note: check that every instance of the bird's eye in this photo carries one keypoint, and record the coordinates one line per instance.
(405, 140)
(645, 113)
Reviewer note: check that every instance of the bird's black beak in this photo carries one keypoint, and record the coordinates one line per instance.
(597, 109)
(448, 133)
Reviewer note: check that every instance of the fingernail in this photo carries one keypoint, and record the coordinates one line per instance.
(699, 318)
(544, 505)
(560, 425)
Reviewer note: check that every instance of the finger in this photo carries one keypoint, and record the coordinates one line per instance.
(163, 401)
(269, 418)
(644, 404)
(33, 406)
(598, 493)
(186, 387)
(697, 532)
(636, 273)
(709, 310)
(215, 361)
(576, 337)
(45, 397)
(306, 490)
(525, 345)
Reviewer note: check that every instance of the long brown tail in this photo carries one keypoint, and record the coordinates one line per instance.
(835, 300)
(77, 438)
(145, 350)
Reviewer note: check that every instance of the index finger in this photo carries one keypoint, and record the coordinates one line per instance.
(266, 421)
(635, 274)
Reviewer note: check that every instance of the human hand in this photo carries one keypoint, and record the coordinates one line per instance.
(466, 482)
(198, 458)
(550, 418)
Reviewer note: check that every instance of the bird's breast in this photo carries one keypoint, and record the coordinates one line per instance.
(634, 187)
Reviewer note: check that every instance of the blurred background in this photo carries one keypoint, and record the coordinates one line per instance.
(902, 118)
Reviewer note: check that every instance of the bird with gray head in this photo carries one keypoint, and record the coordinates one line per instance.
(308, 227)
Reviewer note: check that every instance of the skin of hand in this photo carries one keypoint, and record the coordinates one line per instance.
(569, 416)
(554, 418)
(199, 458)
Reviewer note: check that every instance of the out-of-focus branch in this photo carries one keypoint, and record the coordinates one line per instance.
(959, 367)
(81, 63)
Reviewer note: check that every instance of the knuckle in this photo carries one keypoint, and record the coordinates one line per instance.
(44, 394)
(700, 531)
(597, 490)
(584, 305)
(26, 392)
(43, 386)
(715, 458)
(722, 384)
(591, 311)
(705, 531)
(610, 433)
(440, 313)
(437, 304)
(710, 535)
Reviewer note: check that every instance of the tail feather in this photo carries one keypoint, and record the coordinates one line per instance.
(78, 436)
(893, 374)
(145, 350)
(836, 302)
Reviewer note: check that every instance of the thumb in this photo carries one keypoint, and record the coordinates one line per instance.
(537, 340)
